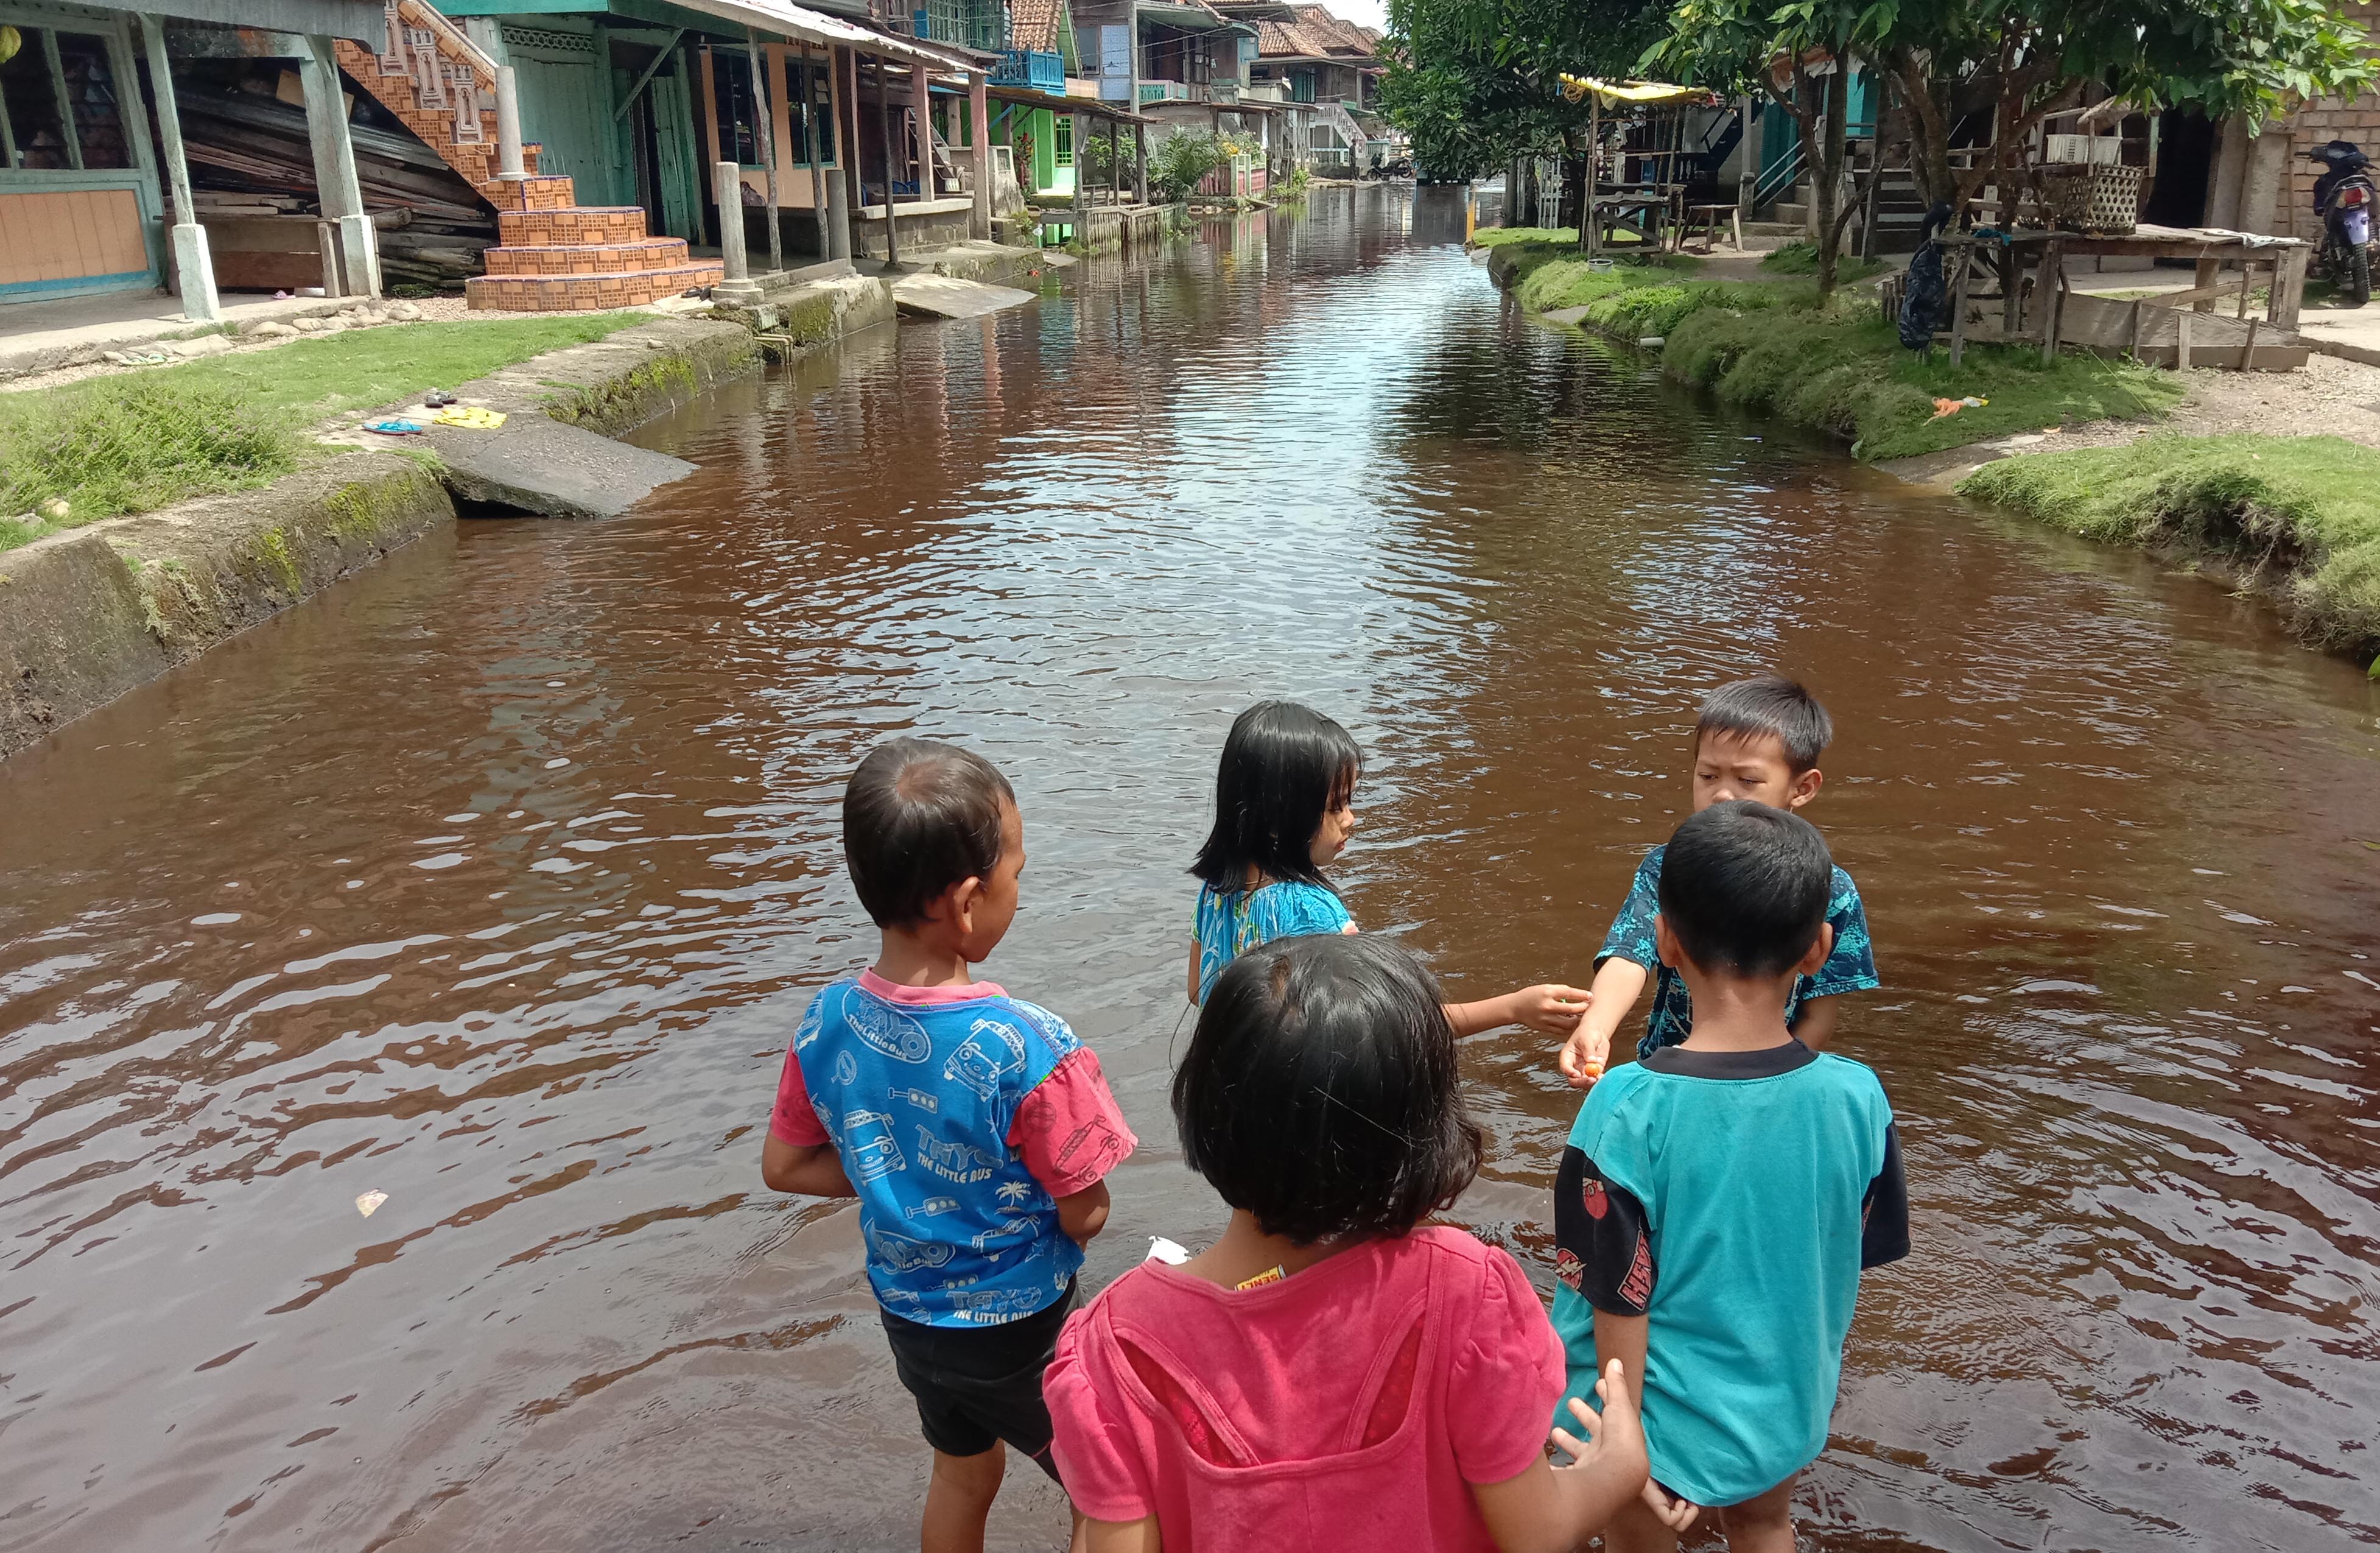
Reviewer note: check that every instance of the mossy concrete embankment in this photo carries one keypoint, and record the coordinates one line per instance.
(86, 615)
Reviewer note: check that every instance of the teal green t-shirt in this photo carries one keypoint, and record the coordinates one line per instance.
(1731, 1199)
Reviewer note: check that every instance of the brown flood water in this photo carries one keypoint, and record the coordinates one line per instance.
(497, 879)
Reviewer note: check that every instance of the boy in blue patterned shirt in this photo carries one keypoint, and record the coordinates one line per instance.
(1759, 739)
(974, 1127)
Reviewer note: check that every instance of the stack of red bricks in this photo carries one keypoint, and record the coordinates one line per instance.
(559, 257)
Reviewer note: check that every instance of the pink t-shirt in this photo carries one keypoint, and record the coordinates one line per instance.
(1350, 1405)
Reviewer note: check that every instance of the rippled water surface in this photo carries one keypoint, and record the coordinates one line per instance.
(495, 880)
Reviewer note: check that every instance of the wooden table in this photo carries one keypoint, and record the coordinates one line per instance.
(1612, 210)
(1708, 219)
(2007, 252)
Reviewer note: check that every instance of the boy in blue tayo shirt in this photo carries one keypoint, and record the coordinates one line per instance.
(973, 1127)
(1757, 739)
(1719, 1198)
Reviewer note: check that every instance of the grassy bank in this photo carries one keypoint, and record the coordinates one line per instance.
(2299, 516)
(1838, 369)
(117, 445)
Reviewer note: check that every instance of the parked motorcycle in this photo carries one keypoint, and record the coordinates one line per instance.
(2344, 197)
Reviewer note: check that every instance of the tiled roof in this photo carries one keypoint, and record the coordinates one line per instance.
(1315, 34)
(1033, 24)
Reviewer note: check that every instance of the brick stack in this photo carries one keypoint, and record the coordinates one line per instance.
(554, 254)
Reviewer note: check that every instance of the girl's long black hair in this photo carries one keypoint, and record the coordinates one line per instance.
(1284, 768)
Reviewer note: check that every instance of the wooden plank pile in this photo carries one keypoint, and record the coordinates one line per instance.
(250, 160)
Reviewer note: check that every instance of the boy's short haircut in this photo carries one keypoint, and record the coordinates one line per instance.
(1769, 707)
(1320, 1092)
(1745, 886)
(918, 816)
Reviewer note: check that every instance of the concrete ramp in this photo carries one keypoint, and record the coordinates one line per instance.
(938, 295)
(550, 469)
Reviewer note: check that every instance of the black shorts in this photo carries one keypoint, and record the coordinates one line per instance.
(976, 1386)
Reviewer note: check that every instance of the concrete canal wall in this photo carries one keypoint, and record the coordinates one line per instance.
(87, 615)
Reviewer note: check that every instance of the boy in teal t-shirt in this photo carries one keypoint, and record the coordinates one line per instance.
(1719, 1198)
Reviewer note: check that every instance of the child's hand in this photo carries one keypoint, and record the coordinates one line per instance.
(1614, 1438)
(1554, 1009)
(1676, 1514)
(1584, 1055)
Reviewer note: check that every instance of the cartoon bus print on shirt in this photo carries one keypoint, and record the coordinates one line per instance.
(887, 1030)
(963, 1163)
(1061, 1040)
(991, 1052)
(869, 1151)
(902, 1254)
(813, 1019)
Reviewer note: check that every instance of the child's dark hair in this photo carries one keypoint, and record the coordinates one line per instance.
(1320, 1095)
(1769, 707)
(1284, 766)
(918, 816)
(1744, 887)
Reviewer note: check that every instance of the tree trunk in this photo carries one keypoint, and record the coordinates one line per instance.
(1826, 172)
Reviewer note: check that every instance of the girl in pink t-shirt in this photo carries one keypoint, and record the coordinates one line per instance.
(1326, 1374)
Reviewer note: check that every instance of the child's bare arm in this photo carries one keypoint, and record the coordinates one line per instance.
(1121, 1536)
(1617, 986)
(813, 1170)
(1815, 1024)
(1551, 1008)
(1194, 972)
(1555, 1510)
(1085, 1213)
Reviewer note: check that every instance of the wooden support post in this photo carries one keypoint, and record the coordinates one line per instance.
(884, 123)
(2180, 340)
(2132, 332)
(764, 129)
(1079, 137)
(979, 143)
(2247, 273)
(2289, 288)
(921, 125)
(2011, 293)
(2209, 274)
(2053, 307)
(339, 192)
(800, 77)
(2248, 352)
(1964, 265)
(194, 267)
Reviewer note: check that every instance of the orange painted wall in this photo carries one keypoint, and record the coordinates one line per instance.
(71, 234)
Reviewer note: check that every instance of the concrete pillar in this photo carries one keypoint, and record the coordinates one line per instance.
(847, 139)
(336, 186)
(510, 163)
(979, 139)
(1140, 164)
(727, 186)
(192, 264)
(2260, 184)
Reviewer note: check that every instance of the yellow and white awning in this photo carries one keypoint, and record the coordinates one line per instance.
(1643, 94)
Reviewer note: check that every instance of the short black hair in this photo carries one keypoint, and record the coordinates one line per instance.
(1284, 766)
(1320, 1092)
(1769, 707)
(1744, 887)
(918, 816)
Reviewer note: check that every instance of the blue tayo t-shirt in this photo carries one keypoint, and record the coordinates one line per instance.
(956, 1114)
(1229, 925)
(1733, 1200)
(1851, 965)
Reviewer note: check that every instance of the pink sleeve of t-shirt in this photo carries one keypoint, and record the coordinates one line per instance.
(1068, 1127)
(1506, 1378)
(1099, 1458)
(792, 1121)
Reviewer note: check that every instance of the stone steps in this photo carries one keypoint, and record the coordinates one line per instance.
(588, 292)
(611, 258)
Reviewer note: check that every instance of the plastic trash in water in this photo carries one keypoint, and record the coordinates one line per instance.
(1165, 1251)
(370, 1201)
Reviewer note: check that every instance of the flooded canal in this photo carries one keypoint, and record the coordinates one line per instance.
(497, 879)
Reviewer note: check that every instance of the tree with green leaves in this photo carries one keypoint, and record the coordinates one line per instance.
(1473, 83)
(2035, 56)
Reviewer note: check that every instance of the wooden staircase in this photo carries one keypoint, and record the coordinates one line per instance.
(554, 255)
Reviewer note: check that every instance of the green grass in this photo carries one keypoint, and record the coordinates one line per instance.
(1844, 371)
(1802, 259)
(1498, 237)
(2302, 512)
(115, 444)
